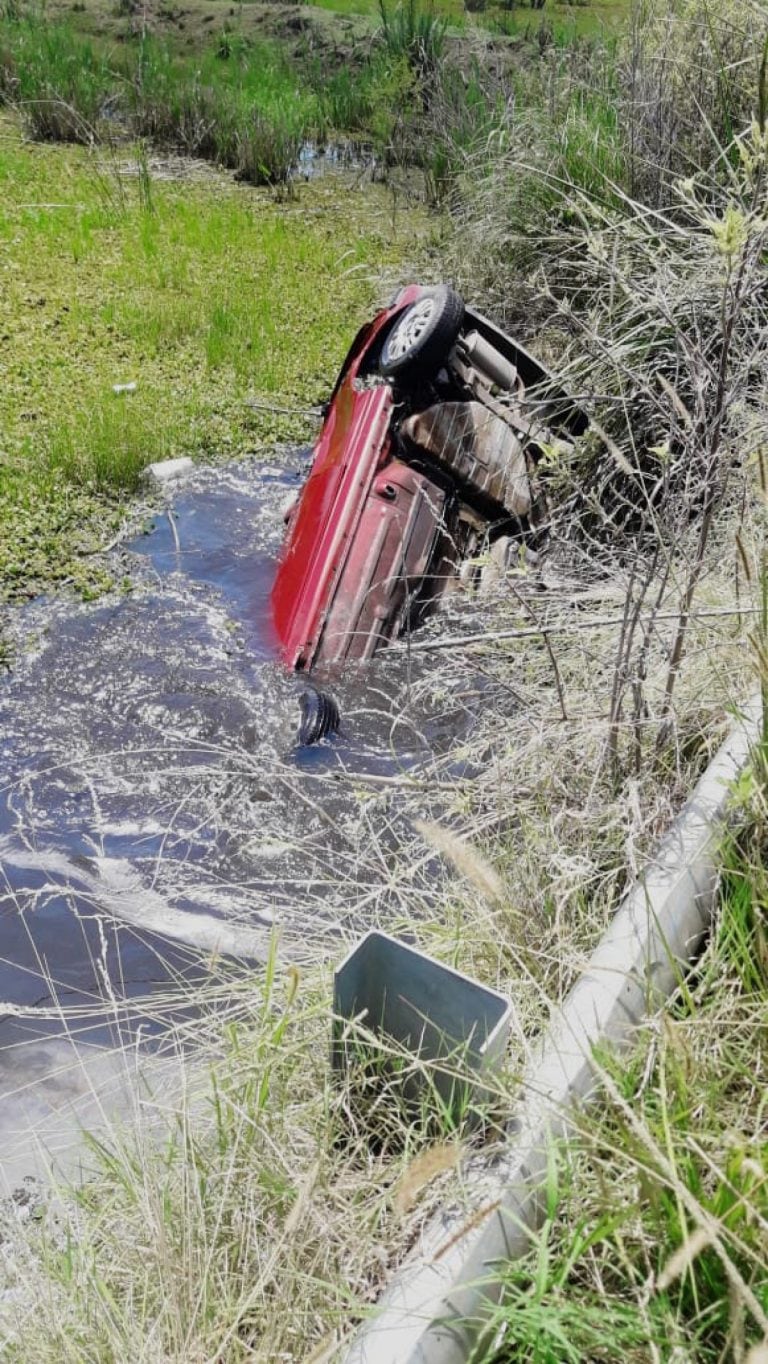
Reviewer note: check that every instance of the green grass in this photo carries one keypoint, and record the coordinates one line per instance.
(248, 103)
(190, 25)
(563, 21)
(414, 34)
(241, 103)
(205, 295)
(60, 82)
(655, 1239)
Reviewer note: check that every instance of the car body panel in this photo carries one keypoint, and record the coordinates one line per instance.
(397, 534)
(353, 443)
(354, 440)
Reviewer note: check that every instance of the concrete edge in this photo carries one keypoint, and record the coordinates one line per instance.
(437, 1304)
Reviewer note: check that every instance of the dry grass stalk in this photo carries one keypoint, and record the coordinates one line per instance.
(683, 1258)
(421, 1172)
(465, 858)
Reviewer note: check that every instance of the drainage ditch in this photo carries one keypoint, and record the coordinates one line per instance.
(155, 806)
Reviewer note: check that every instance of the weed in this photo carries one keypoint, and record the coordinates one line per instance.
(662, 312)
(61, 83)
(363, 101)
(545, 1318)
(247, 114)
(267, 148)
(658, 1221)
(249, 1227)
(687, 81)
(742, 939)
(145, 178)
(414, 32)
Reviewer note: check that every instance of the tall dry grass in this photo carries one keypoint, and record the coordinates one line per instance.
(655, 315)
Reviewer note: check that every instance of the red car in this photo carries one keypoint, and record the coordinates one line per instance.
(426, 455)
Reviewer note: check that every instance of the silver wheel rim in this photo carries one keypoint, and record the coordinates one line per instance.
(410, 329)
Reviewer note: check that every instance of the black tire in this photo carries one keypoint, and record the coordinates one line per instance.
(421, 337)
(319, 716)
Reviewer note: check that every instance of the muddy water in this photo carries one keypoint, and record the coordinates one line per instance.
(155, 807)
(343, 155)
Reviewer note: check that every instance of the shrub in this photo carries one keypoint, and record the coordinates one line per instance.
(658, 318)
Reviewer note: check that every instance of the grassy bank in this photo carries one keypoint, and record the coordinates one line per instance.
(192, 290)
(246, 98)
(328, 21)
(201, 293)
(240, 101)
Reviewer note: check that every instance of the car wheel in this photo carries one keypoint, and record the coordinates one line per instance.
(319, 716)
(422, 335)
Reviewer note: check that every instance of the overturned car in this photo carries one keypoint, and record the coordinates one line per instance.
(427, 457)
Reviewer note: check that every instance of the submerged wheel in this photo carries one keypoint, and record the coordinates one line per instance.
(319, 716)
(422, 335)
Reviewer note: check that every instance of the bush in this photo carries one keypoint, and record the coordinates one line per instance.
(657, 317)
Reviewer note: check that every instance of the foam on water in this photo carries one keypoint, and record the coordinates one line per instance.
(154, 806)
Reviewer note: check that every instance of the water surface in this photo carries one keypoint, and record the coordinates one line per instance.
(155, 809)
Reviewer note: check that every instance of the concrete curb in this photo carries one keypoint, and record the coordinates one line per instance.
(435, 1309)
